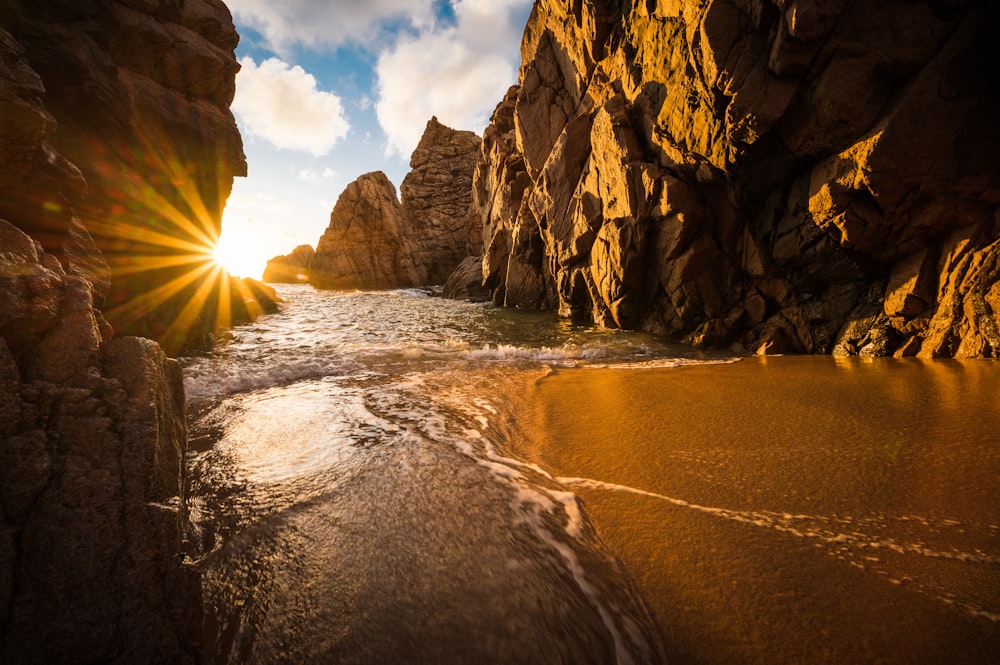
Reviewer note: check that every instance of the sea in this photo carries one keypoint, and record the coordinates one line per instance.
(392, 477)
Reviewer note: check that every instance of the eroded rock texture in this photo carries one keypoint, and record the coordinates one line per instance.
(116, 154)
(92, 437)
(120, 150)
(375, 242)
(780, 175)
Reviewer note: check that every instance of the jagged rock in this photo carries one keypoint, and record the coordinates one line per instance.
(436, 194)
(466, 282)
(120, 150)
(292, 268)
(782, 176)
(367, 244)
(92, 441)
(375, 242)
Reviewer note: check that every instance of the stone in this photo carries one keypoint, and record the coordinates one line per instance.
(291, 268)
(116, 121)
(436, 195)
(92, 432)
(466, 282)
(785, 176)
(367, 244)
(374, 241)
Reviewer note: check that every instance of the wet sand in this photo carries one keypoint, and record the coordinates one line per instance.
(793, 510)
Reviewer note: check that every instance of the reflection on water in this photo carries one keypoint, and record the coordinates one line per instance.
(393, 478)
(792, 510)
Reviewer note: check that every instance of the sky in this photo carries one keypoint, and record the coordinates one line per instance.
(332, 89)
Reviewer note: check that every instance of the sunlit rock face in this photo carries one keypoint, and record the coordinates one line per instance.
(781, 176)
(374, 241)
(123, 151)
(291, 268)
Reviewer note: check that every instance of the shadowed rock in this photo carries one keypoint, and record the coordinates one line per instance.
(292, 268)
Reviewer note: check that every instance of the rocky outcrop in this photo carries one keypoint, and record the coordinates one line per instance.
(772, 175)
(92, 439)
(122, 151)
(436, 195)
(367, 244)
(375, 242)
(292, 268)
(118, 152)
(466, 282)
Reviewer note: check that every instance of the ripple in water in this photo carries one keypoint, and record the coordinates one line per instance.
(355, 507)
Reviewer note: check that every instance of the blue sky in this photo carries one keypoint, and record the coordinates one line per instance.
(332, 89)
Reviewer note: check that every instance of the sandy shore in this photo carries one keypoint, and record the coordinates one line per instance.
(793, 510)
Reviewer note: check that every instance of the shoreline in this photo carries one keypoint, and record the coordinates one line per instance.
(791, 509)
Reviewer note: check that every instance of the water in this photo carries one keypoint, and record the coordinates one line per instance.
(394, 478)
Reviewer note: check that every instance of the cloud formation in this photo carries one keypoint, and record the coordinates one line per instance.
(282, 104)
(457, 72)
(329, 23)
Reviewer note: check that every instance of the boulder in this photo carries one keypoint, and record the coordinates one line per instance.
(368, 244)
(802, 177)
(466, 282)
(92, 444)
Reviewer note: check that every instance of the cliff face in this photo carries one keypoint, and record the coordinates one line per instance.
(117, 153)
(375, 242)
(784, 176)
(123, 150)
(92, 437)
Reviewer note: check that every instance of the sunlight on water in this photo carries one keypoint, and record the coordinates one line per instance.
(394, 478)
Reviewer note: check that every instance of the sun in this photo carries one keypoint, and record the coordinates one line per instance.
(240, 253)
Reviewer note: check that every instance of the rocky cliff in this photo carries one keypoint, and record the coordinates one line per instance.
(92, 438)
(121, 151)
(374, 241)
(117, 152)
(775, 175)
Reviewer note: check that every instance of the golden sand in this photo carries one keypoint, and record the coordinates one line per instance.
(793, 510)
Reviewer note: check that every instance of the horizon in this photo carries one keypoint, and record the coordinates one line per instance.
(330, 91)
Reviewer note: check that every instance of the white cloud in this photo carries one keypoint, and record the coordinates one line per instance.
(329, 23)
(281, 104)
(315, 175)
(458, 73)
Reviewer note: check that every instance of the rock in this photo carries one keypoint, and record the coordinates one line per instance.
(782, 176)
(466, 282)
(436, 195)
(118, 152)
(292, 268)
(367, 244)
(92, 434)
(116, 121)
(375, 242)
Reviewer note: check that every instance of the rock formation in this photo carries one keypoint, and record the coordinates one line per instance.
(774, 175)
(92, 437)
(368, 244)
(125, 107)
(436, 196)
(118, 152)
(375, 242)
(292, 268)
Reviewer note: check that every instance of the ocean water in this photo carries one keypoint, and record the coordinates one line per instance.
(389, 477)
